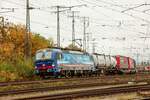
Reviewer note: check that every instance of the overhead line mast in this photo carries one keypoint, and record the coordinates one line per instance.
(28, 42)
(27, 33)
(58, 27)
(73, 27)
(58, 20)
(85, 25)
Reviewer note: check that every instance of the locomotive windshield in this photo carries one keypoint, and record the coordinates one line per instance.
(43, 55)
(39, 55)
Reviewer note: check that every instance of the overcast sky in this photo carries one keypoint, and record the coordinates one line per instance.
(116, 25)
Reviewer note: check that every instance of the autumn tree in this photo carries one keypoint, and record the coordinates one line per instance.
(12, 45)
(39, 42)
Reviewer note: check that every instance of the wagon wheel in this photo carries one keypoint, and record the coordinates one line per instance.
(102, 71)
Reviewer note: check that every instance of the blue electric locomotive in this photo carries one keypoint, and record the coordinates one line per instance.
(55, 62)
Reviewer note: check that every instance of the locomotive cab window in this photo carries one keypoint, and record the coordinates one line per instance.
(48, 54)
(39, 55)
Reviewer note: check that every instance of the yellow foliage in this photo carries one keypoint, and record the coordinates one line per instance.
(8, 75)
(14, 42)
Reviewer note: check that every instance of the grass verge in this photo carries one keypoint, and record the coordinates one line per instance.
(18, 70)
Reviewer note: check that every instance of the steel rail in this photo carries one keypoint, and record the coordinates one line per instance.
(67, 79)
(92, 92)
(52, 88)
(70, 86)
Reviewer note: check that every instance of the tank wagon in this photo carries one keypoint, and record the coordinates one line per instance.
(106, 64)
(56, 62)
(103, 63)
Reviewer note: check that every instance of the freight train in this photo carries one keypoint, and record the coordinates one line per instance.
(59, 62)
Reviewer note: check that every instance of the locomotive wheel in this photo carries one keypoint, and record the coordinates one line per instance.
(68, 74)
(43, 76)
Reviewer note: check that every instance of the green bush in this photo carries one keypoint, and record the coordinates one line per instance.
(6, 66)
(24, 68)
(20, 70)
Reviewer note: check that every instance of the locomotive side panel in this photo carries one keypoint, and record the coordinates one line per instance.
(76, 61)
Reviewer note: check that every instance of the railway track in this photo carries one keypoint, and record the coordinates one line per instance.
(91, 92)
(52, 88)
(64, 87)
(69, 79)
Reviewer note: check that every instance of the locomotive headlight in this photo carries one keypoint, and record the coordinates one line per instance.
(53, 65)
